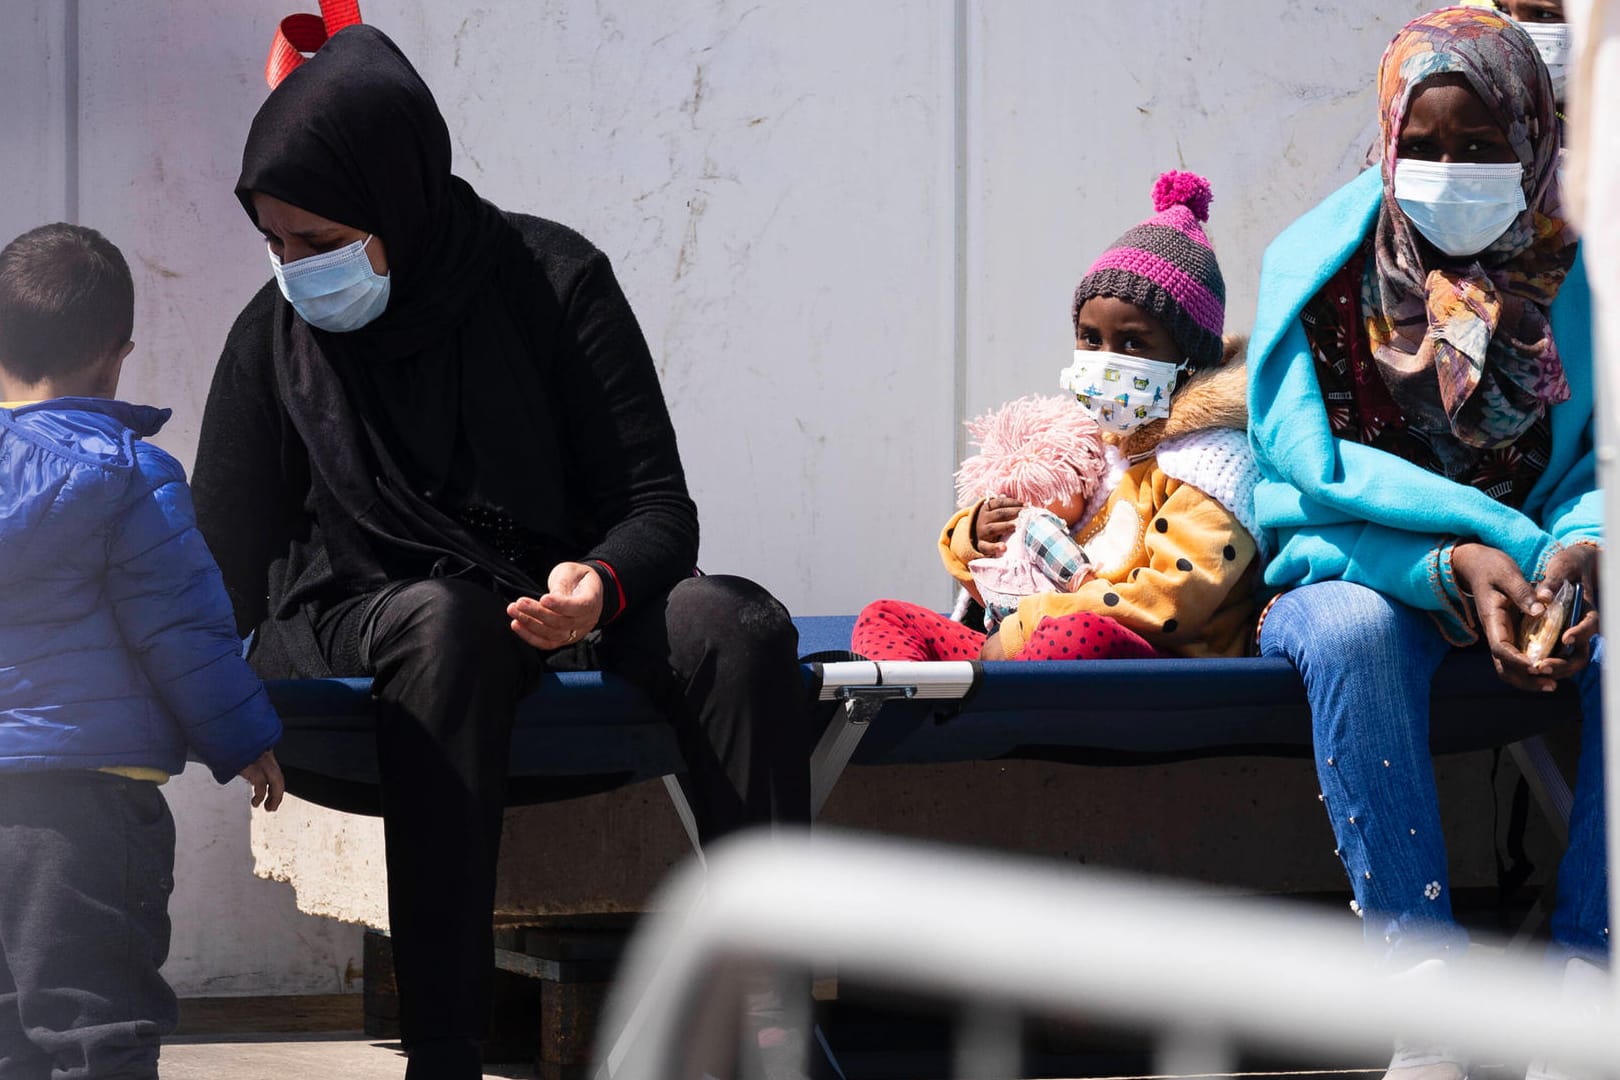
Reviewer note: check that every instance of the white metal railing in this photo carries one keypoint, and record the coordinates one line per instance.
(1205, 972)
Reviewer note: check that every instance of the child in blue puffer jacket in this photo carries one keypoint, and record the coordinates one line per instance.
(118, 652)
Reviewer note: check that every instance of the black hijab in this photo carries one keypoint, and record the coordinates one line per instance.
(354, 135)
(441, 405)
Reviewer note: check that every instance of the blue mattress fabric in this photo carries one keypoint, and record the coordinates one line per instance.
(587, 724)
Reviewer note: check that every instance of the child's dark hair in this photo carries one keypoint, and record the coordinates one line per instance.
(66, 301)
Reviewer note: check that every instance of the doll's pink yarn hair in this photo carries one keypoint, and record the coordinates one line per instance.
(1037, 450)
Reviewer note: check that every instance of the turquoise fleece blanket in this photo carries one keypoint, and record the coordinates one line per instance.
(1335, 509)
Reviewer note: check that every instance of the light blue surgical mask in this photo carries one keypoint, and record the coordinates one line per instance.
(1460, 207)
(335, 290)
(1552, 42)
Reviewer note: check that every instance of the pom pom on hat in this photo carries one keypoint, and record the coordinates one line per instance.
(1166, 267)
(1036, 449)
(1177, 188)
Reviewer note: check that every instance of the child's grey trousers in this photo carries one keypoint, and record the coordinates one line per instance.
(86, 868)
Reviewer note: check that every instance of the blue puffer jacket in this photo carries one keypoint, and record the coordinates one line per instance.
(117, 643)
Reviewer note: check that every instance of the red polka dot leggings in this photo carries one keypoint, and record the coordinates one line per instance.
(897, 630)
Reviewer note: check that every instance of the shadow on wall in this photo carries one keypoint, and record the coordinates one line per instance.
(232, 929)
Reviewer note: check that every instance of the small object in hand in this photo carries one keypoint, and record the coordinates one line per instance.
(1577, 612)
(1538, 638)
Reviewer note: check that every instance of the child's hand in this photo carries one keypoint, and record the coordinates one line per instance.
(992, 649)
(993, 524)
(265, 776)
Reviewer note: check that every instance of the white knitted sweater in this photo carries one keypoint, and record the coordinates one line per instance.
(1218, 462)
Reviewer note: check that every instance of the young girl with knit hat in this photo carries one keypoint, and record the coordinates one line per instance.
(1169, 544)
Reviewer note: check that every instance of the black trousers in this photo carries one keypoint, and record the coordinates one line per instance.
(86, 868)
(718, 654)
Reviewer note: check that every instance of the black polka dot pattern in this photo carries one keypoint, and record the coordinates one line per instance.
(1183, 565)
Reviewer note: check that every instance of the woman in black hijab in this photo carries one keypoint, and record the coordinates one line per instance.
(436, 453)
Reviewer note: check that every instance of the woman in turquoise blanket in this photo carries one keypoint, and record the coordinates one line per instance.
(1421, 408)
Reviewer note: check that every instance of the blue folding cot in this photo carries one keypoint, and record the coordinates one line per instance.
(593, 725)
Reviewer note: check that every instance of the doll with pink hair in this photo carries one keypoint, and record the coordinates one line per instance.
(1048, 455)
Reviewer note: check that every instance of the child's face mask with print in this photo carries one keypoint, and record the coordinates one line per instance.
(1126, 365)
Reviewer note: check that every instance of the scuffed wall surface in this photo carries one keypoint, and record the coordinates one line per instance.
(334, 861)
(235, 933)
(773, 185)
(1247, 824)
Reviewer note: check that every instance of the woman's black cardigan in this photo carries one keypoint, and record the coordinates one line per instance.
(623, 507)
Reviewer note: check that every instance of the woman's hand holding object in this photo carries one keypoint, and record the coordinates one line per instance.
(1502, 597)
(1578, 565)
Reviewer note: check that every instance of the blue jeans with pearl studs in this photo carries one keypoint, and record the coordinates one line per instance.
(1368, 662)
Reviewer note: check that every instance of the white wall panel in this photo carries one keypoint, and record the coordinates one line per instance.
(166, 94)
(772, 184)
(34, 120)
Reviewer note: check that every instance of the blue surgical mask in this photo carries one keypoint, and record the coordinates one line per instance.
(335, 290)
(1460, 207)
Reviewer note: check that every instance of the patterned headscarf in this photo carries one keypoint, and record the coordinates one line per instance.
(1465, 345)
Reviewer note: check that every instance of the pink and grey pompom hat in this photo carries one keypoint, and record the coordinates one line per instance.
(1037, 450)
(1166, 267)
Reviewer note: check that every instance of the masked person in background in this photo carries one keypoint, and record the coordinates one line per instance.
(1421, 407)
(1163, 556)
(1544, 21)
(436, 453)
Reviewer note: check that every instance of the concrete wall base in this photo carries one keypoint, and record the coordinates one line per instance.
(1249, 824)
